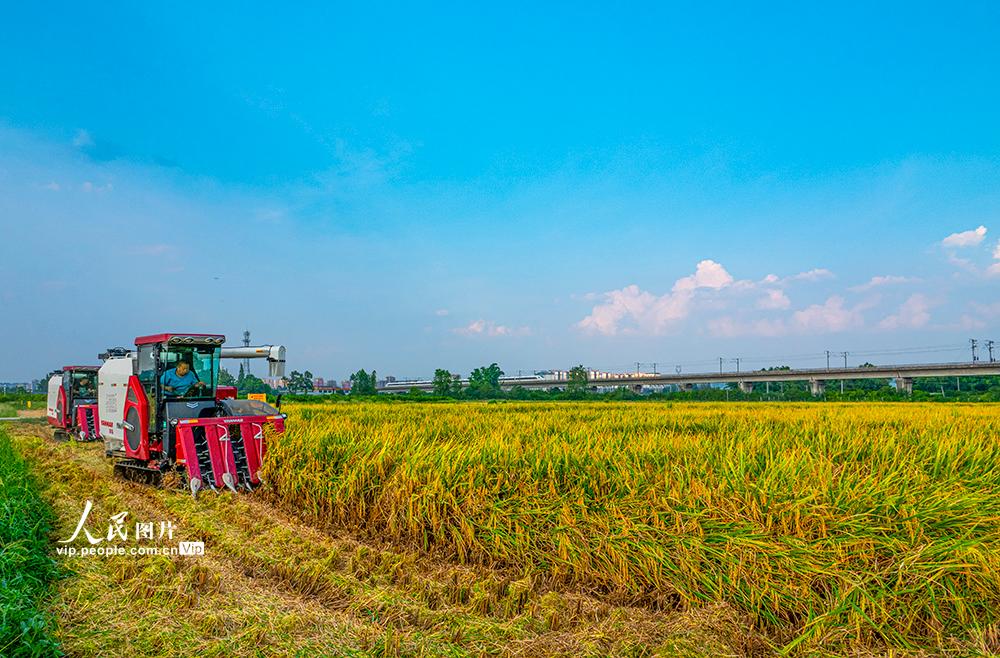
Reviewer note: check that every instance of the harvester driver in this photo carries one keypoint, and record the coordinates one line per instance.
(178, 380)
(84, 389)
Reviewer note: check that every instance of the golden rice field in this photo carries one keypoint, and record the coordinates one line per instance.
(849, 527)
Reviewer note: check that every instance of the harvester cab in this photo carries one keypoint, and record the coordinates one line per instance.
(71, 404)
(162, 410)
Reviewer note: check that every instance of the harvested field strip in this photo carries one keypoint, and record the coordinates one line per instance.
(271, 584)
(859, 526)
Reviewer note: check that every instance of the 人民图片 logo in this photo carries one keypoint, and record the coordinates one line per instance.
(140, 538)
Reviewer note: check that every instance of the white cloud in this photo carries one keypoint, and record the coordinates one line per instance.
(88, 187)
(996, 251)
(82, 139)
(441, 312)
(727, 327)
(887, 280)
(774, 300)
(962, 263)
(650, 314)
(993, 270)
(707, 274)
(817, 274)
(912, 314)
(829, 317)
(632, 310)
(991, 310)
(490, 328)
(965, 238)
(52, 186)
(629, 302)
(967, 322)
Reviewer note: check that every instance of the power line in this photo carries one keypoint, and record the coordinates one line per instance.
(786, 359)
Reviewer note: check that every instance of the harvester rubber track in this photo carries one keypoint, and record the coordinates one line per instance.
(138, 472)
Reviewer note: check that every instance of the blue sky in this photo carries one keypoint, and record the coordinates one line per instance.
(406, 188)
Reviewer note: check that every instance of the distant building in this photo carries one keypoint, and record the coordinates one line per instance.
(275, 382)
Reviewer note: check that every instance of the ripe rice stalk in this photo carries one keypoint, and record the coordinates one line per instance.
(877, 521)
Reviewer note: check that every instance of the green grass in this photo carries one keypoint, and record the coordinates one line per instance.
(11, 403)
(26, 569)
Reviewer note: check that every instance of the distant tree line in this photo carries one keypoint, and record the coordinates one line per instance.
(245, 382)
(484, 384)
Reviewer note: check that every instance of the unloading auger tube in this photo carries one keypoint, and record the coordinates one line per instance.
(161, 410)
(275, 355)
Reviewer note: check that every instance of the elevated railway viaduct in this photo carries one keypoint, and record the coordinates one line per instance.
(902, 375)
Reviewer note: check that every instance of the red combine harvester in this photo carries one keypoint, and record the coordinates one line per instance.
(72, 403)
(162, 410)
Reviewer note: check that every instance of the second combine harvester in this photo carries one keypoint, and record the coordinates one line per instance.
(205, 434)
